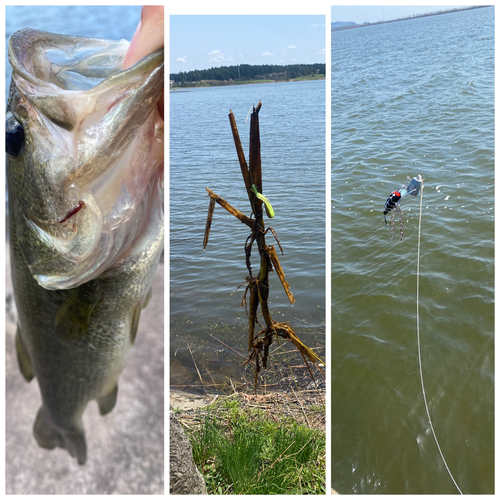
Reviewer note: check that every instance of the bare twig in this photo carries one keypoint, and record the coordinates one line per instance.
(225, 345)
(196, 366)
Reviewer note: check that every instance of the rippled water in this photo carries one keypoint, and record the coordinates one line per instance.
(203, 301)
(413, 97)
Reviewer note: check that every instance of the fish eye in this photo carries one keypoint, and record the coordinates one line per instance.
(14, 135)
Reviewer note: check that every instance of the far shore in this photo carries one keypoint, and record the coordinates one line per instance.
(227, 83)
(416, 16)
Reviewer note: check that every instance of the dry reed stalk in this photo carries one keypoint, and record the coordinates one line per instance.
(255, 166)
(234, 211)
(241, 156)
(252, 314)
(209, 222)
(259, 344)
(281, 275)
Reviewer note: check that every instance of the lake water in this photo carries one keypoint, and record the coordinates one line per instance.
(204, 299)
(109, 22)
(408, 98)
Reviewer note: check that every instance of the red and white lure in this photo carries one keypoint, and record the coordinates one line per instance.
(392, 204)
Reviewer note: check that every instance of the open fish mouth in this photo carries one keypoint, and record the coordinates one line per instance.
(85, 152)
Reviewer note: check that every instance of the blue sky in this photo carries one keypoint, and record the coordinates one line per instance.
(371, 14)
(201, 42)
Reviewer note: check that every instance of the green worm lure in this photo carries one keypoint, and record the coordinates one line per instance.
(267, 203)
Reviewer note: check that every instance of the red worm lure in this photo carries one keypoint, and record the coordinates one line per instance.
(73, 211)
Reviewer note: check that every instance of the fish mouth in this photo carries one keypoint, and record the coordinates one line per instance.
(114, 138)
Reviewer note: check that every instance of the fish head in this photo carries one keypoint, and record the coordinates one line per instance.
(84, 145)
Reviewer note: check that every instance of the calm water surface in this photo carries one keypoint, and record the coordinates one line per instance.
(204, 294)
(413, 97)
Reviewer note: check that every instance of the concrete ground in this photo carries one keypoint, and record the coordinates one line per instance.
(125, 449)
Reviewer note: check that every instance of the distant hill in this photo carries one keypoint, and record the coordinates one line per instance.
(341, 24)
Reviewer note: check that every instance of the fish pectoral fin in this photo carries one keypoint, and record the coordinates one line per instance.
(136, 316)
(147, 298)
(107, 403)
(49, 437)
(23, 358)
(73, 317)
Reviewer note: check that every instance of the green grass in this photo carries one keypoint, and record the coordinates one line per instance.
(247, 453)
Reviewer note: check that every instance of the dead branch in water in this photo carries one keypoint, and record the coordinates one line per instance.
(258, 285)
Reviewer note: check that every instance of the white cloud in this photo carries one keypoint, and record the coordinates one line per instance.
(218, 56)
(181, 59)
(291, 47)
(322, 52)
(267, 53)
(318, 25)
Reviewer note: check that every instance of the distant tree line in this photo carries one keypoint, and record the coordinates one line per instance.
(249, 72)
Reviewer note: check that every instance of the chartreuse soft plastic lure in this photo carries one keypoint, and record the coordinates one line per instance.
(267, 204)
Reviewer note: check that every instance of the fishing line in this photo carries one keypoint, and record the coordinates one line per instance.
(418, 345)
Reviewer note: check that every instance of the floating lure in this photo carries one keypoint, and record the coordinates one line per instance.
(392, 204)
(413, 188)
(267, 203)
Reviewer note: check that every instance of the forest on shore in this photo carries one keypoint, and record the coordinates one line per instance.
(247, 73)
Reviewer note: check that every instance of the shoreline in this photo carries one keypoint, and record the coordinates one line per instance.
(223, 84)
(306, 406)
(451, 11)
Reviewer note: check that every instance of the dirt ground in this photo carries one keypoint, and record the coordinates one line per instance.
(304, 407)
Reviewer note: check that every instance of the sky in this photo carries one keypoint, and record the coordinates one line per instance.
(202, 42)
(371, 14)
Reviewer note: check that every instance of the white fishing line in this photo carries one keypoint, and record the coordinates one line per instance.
(418, 345)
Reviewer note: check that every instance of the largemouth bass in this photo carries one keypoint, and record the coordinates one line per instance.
(85, 153)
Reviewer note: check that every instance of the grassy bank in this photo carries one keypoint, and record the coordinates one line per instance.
(270, 444)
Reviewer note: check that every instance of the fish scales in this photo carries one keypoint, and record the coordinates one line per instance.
(80, 286)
